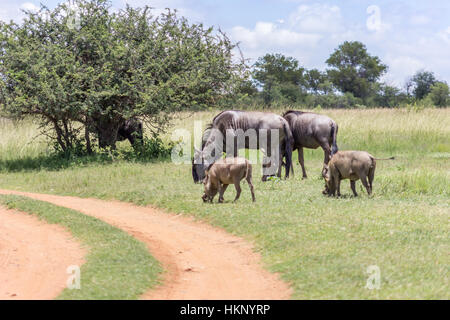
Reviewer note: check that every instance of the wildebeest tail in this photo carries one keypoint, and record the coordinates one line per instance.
(194, 172)
(289, 142)
(334, 131)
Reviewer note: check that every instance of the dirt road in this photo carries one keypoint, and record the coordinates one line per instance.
(201, 261)
(34, 257)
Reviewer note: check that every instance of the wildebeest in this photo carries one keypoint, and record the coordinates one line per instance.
(311, 130)
(224, 172)
(353, 165)
(132, 130)
(251, 130)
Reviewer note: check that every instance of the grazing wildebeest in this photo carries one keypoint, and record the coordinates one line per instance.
(224, 172)
(353, 165)
(132, 130)
(311, 130)
(250, 130)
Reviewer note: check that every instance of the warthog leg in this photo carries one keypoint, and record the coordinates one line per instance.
(222, 189)
(352, 185)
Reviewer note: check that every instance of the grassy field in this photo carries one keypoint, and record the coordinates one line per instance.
(117, 265)
(321, 245)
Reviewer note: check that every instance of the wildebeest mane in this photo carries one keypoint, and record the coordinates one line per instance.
(293, 112)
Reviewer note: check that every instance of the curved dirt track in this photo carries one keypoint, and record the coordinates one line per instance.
(34, 257)
(200, 261)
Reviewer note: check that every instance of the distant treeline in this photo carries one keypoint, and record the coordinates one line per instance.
(352, 80)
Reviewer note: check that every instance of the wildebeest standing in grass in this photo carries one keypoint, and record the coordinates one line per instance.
(242, 123)
(224, 172)
(311, 130)
(353, 165)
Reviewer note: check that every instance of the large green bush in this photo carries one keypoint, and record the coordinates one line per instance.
(86, 79)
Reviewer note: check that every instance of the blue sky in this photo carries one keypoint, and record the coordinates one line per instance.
(406, 35)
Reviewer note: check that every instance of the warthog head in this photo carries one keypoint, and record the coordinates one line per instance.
(210, 189)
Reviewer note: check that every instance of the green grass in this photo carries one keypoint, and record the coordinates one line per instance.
(321, 245)
(117, 265)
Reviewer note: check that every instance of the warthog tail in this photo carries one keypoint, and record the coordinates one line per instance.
(391, 158)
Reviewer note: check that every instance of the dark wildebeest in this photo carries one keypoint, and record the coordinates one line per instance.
(132, 130)
(311, 130)
(353, 165)
(224, 172)
(250, 130)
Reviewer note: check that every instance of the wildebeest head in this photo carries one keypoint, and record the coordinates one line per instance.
(198, 167)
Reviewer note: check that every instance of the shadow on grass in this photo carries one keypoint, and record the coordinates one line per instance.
(56, 162)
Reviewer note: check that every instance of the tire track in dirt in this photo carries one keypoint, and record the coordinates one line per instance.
(200, 261)
(34, 257)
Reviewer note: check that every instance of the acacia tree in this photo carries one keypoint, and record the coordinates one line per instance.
(90, 78)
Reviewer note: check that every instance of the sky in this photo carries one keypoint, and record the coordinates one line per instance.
(406, 35)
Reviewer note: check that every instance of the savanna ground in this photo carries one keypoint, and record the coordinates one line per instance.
(322, 246)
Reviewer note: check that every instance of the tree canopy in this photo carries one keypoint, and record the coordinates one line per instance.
(353, 69)
(90, 78)
(421, 83)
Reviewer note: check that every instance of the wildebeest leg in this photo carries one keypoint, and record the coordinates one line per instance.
(327, 153)
(352, 185)
(280, 162)
(365, 184)
(302, 161)
(222, 190)
(238, 189)
(264, 177)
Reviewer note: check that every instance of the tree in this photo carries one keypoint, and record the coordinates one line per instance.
(353, 70)
(314, 78)
(114, 66)
(440, 94)
(421, 83)
(277, 73)
(388, 96)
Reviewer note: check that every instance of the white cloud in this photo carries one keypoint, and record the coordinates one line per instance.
(13, 11)
(29, 7)
(316, 18)
(269, 35)
(300, 34)
(419, 19)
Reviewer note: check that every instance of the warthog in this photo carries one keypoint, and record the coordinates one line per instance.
(224, 172)
(311, 130)
(353, 165)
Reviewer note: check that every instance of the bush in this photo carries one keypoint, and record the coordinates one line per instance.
(440, 94)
